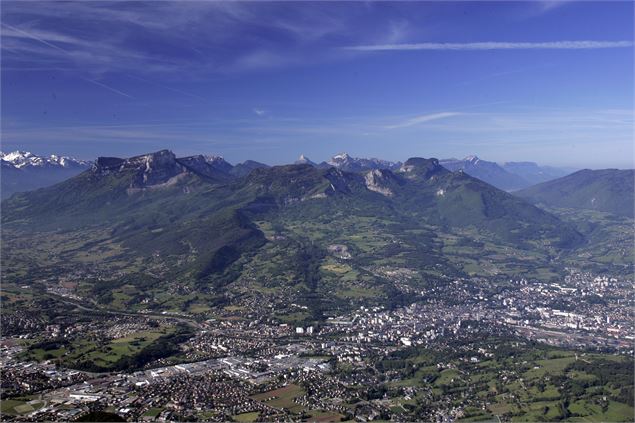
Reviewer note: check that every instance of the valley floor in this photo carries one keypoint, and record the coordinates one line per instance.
(412, 363)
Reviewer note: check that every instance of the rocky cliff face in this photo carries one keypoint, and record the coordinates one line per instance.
(379, 180)
(148, 169)
(215, 168)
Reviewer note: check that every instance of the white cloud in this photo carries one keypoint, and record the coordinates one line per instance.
(495, 45)
(259, 112)
(423, 118)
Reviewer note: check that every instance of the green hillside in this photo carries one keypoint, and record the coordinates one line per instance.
(168, 231)
(607, 190)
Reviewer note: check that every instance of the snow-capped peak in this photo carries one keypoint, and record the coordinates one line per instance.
(213, 158)
(345, 162)
(21, 159)
(14, 155)
(304, 160)
(24, 159)
(472, 158)
(341, 156)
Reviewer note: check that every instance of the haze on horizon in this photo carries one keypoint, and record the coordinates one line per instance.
(550, 82)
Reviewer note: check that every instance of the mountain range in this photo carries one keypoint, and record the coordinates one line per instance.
(509, 176)
(25, 171)
(489, 172)
(447, 197)
(533, 174)
(188, 222)
(347, 163)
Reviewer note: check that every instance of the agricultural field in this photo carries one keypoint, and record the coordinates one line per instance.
(283, 398)
(18, 406)
(515, 383)
(102, 353)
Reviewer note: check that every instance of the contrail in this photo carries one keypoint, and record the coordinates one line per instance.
(422, 119)
(114, 90)
(492, 45)
(33, 37)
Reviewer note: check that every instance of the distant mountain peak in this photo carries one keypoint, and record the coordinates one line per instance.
(421, 162)
(157, 155)
(103, 164)
(17, 155)
(304, 160)
(218, 163)
(213, 157)
(25, 171)
(418, 167)
(151, 161)
(25, 159)
(533, 173)
(148, 169)
(341, 156)
(201, 165)
(487, 171)
(246, 167)
(344, 161)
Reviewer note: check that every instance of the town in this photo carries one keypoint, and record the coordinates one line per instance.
(238, 366)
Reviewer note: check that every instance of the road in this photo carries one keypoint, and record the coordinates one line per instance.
(189, 321)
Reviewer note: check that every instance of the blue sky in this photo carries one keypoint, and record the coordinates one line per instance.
(550, 82)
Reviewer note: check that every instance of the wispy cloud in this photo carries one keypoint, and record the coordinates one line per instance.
(496, 45)
(18, 33)
(259, 112)
(541, 121)
(108, 87)
(189, 39)
(423, 118)
(548, 5)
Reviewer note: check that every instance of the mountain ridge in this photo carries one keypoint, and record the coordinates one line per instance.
(24, 171)
(490, 172)
(607, 190)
